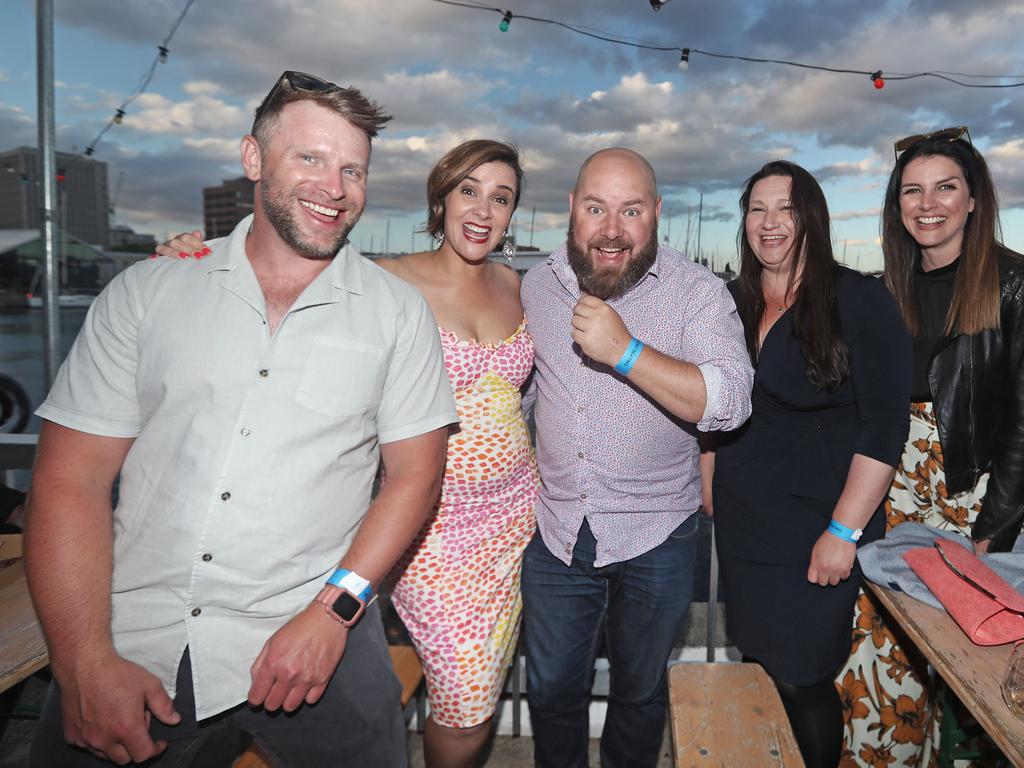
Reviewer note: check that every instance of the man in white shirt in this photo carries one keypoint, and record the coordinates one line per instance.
(244, 400)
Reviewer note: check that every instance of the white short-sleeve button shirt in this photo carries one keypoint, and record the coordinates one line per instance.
(254, 454)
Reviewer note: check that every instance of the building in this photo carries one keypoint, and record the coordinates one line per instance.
(226, 205)
(124, 238)
(83, 205)
(84, 269)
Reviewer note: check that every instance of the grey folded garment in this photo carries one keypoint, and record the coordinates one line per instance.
(882, 561)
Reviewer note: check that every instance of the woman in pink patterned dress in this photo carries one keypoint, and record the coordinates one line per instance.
(458, 585)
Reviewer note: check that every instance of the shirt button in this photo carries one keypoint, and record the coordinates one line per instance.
(819, 426)
(583, 497)
(246, 431)
(196, 611)
(568, 549)
(264, 372)
(579, 455)
(225, 496)
(207, 557)
(579, 409)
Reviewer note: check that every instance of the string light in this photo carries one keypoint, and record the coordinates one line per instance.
(684, 60)
(656, 4)
(163, 50)
(875, 76)
(505, 21)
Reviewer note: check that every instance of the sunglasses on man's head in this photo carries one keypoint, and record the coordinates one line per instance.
(298, 81)
(946, 134)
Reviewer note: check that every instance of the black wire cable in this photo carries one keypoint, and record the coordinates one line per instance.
(873, 74)
(144, 80)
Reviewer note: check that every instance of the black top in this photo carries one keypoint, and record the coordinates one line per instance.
(778, 478)
(802, 439)
(933, 294)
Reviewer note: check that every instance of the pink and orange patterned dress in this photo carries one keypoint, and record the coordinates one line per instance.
(458, 588)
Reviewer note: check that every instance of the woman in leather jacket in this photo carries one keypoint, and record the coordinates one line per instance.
(961, 295)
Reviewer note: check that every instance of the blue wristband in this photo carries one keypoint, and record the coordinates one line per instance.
(625, 365)
(843, 532)
(352, 582)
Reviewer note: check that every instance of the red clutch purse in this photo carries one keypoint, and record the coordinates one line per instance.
(988, 609)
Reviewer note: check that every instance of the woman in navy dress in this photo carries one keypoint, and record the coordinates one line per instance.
(800, 486)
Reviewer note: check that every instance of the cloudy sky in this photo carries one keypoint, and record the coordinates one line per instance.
(448, 74)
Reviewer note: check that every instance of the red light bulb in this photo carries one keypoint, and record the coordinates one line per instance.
(879, 83)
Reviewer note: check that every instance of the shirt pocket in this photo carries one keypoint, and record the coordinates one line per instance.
(341, 377)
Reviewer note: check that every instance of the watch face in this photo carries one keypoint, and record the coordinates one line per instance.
(346, 606)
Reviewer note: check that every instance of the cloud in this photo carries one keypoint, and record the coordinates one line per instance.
(1006, 162)
(870, 213)
(845, 169)
(201, 88)
(153, 113)
(447, 74)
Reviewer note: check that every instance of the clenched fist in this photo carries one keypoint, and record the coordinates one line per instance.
(599, 330)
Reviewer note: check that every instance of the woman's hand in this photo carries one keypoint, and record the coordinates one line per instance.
(831, 560)
(981, 547)
(184, 246)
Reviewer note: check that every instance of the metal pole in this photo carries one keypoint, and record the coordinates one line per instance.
(700, 221)
(48, 187)
(533, 218)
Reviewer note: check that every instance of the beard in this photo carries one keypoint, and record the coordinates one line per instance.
(611, 283)
(277, 206)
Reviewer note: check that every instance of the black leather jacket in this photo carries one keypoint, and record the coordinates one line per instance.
(977, 385)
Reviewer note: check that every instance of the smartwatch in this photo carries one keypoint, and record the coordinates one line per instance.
(344, 596)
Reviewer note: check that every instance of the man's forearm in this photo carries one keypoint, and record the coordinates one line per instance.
(69, 545)
(677, 386)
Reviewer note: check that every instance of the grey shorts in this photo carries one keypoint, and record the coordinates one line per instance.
(356, 724)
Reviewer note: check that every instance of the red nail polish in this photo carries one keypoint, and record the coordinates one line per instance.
(206, 251)
(198, 254)
(182, 255)
(155, 255)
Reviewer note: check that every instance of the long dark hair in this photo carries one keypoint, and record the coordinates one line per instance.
(975, 305)
(816, 309)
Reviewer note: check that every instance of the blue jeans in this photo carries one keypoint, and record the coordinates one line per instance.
(642, 604)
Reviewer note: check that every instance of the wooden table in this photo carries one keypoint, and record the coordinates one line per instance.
(22, 650)
(973, 672)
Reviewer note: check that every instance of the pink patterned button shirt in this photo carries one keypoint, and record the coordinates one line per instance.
(606, 451)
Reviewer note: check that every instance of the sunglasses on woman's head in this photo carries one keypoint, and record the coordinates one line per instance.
(947, 134)
(298, 81)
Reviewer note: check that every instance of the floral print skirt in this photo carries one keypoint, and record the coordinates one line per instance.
(883, 686)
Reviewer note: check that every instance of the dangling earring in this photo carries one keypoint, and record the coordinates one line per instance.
(508, 250)
(439, 238)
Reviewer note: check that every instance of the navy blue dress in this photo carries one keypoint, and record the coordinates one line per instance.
(778, 478)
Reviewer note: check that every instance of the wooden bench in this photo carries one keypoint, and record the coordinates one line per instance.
(409, 673)
(725, 714)
(728, 715)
